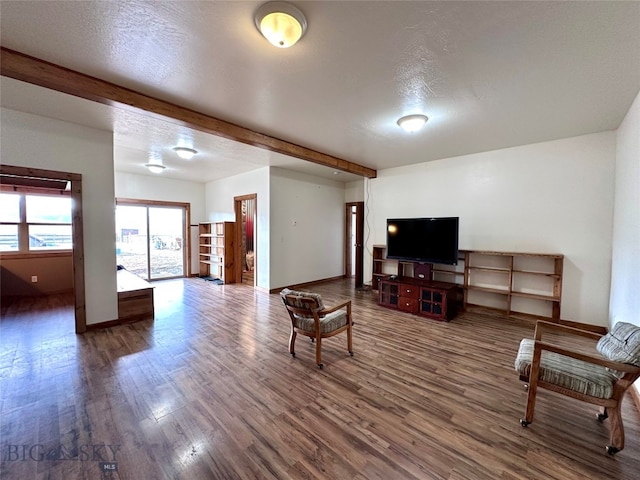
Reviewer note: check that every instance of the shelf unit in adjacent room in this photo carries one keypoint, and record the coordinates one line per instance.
(529, 283)
(216, 240)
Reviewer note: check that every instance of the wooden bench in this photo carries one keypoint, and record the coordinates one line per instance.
(135, 298)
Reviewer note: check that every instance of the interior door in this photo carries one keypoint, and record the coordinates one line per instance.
(246, 240)
(354, 242)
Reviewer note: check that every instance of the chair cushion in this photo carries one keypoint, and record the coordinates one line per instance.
(567, 372)
(328, 323)
(299, 296)
(621, 344)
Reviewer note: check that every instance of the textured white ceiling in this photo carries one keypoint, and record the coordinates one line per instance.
(489, 75)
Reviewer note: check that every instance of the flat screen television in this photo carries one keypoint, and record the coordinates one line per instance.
(427, 240)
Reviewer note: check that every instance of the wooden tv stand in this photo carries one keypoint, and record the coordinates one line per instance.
(418, 296)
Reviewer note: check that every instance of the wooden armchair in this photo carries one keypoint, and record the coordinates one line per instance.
(599, 380)
(309, 317)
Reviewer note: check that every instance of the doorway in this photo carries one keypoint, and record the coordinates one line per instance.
(74, 181)
(151, 239)
(246, 238)
(354, 242)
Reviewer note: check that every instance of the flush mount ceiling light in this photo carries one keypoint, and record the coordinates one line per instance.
(413, 123)
(185, 153)
(281, 23)
(155, 166)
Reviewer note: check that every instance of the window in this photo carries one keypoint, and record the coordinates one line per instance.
(9, 220)
(31, 222)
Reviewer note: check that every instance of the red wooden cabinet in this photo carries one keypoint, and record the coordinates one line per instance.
(419, 297)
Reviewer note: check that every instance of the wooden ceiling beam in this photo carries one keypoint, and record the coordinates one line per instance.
(45, 74)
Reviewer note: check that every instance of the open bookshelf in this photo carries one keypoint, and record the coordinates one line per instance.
(216, 253)
(529, 283)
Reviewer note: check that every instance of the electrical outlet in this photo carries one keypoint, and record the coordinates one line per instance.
(34, 279)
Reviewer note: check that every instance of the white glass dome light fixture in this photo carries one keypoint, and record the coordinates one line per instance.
(185, 153)
(281, 23)
(412, 123)
(155, 165)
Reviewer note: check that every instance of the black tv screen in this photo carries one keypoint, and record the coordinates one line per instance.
(428, 240)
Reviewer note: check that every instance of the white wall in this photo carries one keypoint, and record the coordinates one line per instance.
(625, 274)
(220, 207)
(354, 191)
(625, 270)
(551, 197)
(307, 228)
(32, 141)
(147, 187)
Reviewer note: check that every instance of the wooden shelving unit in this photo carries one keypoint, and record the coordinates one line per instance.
(509, 276)
(379, 261)
(216, 241)
(513, 282)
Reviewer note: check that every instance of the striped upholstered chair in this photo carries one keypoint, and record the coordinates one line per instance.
(599, 380)
(310, 317)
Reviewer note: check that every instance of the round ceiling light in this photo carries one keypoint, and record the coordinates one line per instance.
(281, 23)
(155, 167)
(185, 153)
(413, 123)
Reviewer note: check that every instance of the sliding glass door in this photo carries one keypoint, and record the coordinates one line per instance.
(132, 246)
(150, 240)
(166, 255)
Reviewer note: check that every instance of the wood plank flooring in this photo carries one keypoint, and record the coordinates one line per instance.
(209, 391)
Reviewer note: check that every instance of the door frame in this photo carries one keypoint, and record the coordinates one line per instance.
(77, 234)
(359, 245)
(237, 206)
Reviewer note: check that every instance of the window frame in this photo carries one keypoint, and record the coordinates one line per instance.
(24, 248)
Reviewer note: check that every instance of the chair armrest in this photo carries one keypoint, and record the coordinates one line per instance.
(542, 325)
(621, 367)
(336, 307)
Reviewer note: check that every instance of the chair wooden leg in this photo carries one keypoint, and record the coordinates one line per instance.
(349, 340)
(531, 405)
(292, 343)
(616, 436)
(531, 394)
(602, 414)
(319, 352)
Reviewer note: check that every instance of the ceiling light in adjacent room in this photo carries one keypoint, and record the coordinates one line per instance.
(413, 123)
(155, 166)
(281, 23)
(185, 153)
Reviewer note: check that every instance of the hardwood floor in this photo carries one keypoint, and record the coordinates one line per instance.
(209, 391)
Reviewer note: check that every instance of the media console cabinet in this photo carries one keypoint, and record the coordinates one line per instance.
(418, 296)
